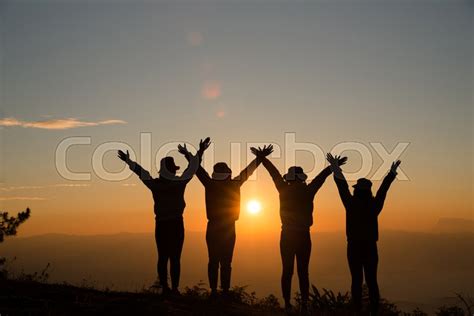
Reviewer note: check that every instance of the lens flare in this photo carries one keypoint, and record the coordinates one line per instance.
(211, 90)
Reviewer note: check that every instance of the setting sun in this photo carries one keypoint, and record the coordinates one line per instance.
(254, 207)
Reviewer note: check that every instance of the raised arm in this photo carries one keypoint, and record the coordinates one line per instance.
(383, 189)
(143, 174)
(247, 172)
(340, 180)
(261, 154)
(202, 175)
(193, 165)
(274, 173)
(318, 181)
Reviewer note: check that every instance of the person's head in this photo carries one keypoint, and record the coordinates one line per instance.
(167, 167)
(363, 188)
(295, 174)
(221, 171)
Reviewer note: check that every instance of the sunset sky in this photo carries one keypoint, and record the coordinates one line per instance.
(240, 72)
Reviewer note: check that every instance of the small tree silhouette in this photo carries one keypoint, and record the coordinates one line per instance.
(8, 227)
(9, 224)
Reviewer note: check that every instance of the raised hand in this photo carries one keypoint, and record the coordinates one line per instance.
(336, 160)
(341, 160)
(204, 144)
(395, 165)
(262, 152)
(183, 150)
(332, 160)
(267, 150)
(124, 156)
(254, 151)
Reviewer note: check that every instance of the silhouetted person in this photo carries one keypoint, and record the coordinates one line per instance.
(296, 212)
(168, 194)
(222, 209)
(362, 211)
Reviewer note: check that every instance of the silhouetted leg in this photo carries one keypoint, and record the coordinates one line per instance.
(213, 252)
(370, 271)
(163, 271)
(227, 251)
(212, 273)
(302, 263)
(163, 253)
(356, 268)
(288, 261)
(177, 247)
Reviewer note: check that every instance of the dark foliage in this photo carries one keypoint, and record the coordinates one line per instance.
(9, 224)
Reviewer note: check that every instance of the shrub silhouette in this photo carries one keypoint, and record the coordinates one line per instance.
(466, 300)
(64, 299)
(416, 312)
(8, 227)
(327, 302)
(450, 311)
(9, 224)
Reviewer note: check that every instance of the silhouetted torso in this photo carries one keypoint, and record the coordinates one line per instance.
(296, 199)
(222, 197)
(361, 220)
(296, 205)
(168, 195)
(362, 212)
(222, 200)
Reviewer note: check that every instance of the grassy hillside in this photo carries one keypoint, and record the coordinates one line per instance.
(28, 296)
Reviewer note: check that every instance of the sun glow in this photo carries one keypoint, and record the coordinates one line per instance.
(254, 207)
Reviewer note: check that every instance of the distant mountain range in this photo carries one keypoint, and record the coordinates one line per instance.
(454, 225)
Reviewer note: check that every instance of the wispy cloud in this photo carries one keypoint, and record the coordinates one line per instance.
(21, 198)
(23, 187)
(35, 187)
(55, 124)
(71, 185)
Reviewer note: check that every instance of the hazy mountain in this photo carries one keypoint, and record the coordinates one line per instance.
(415, 268)
(454, 225)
